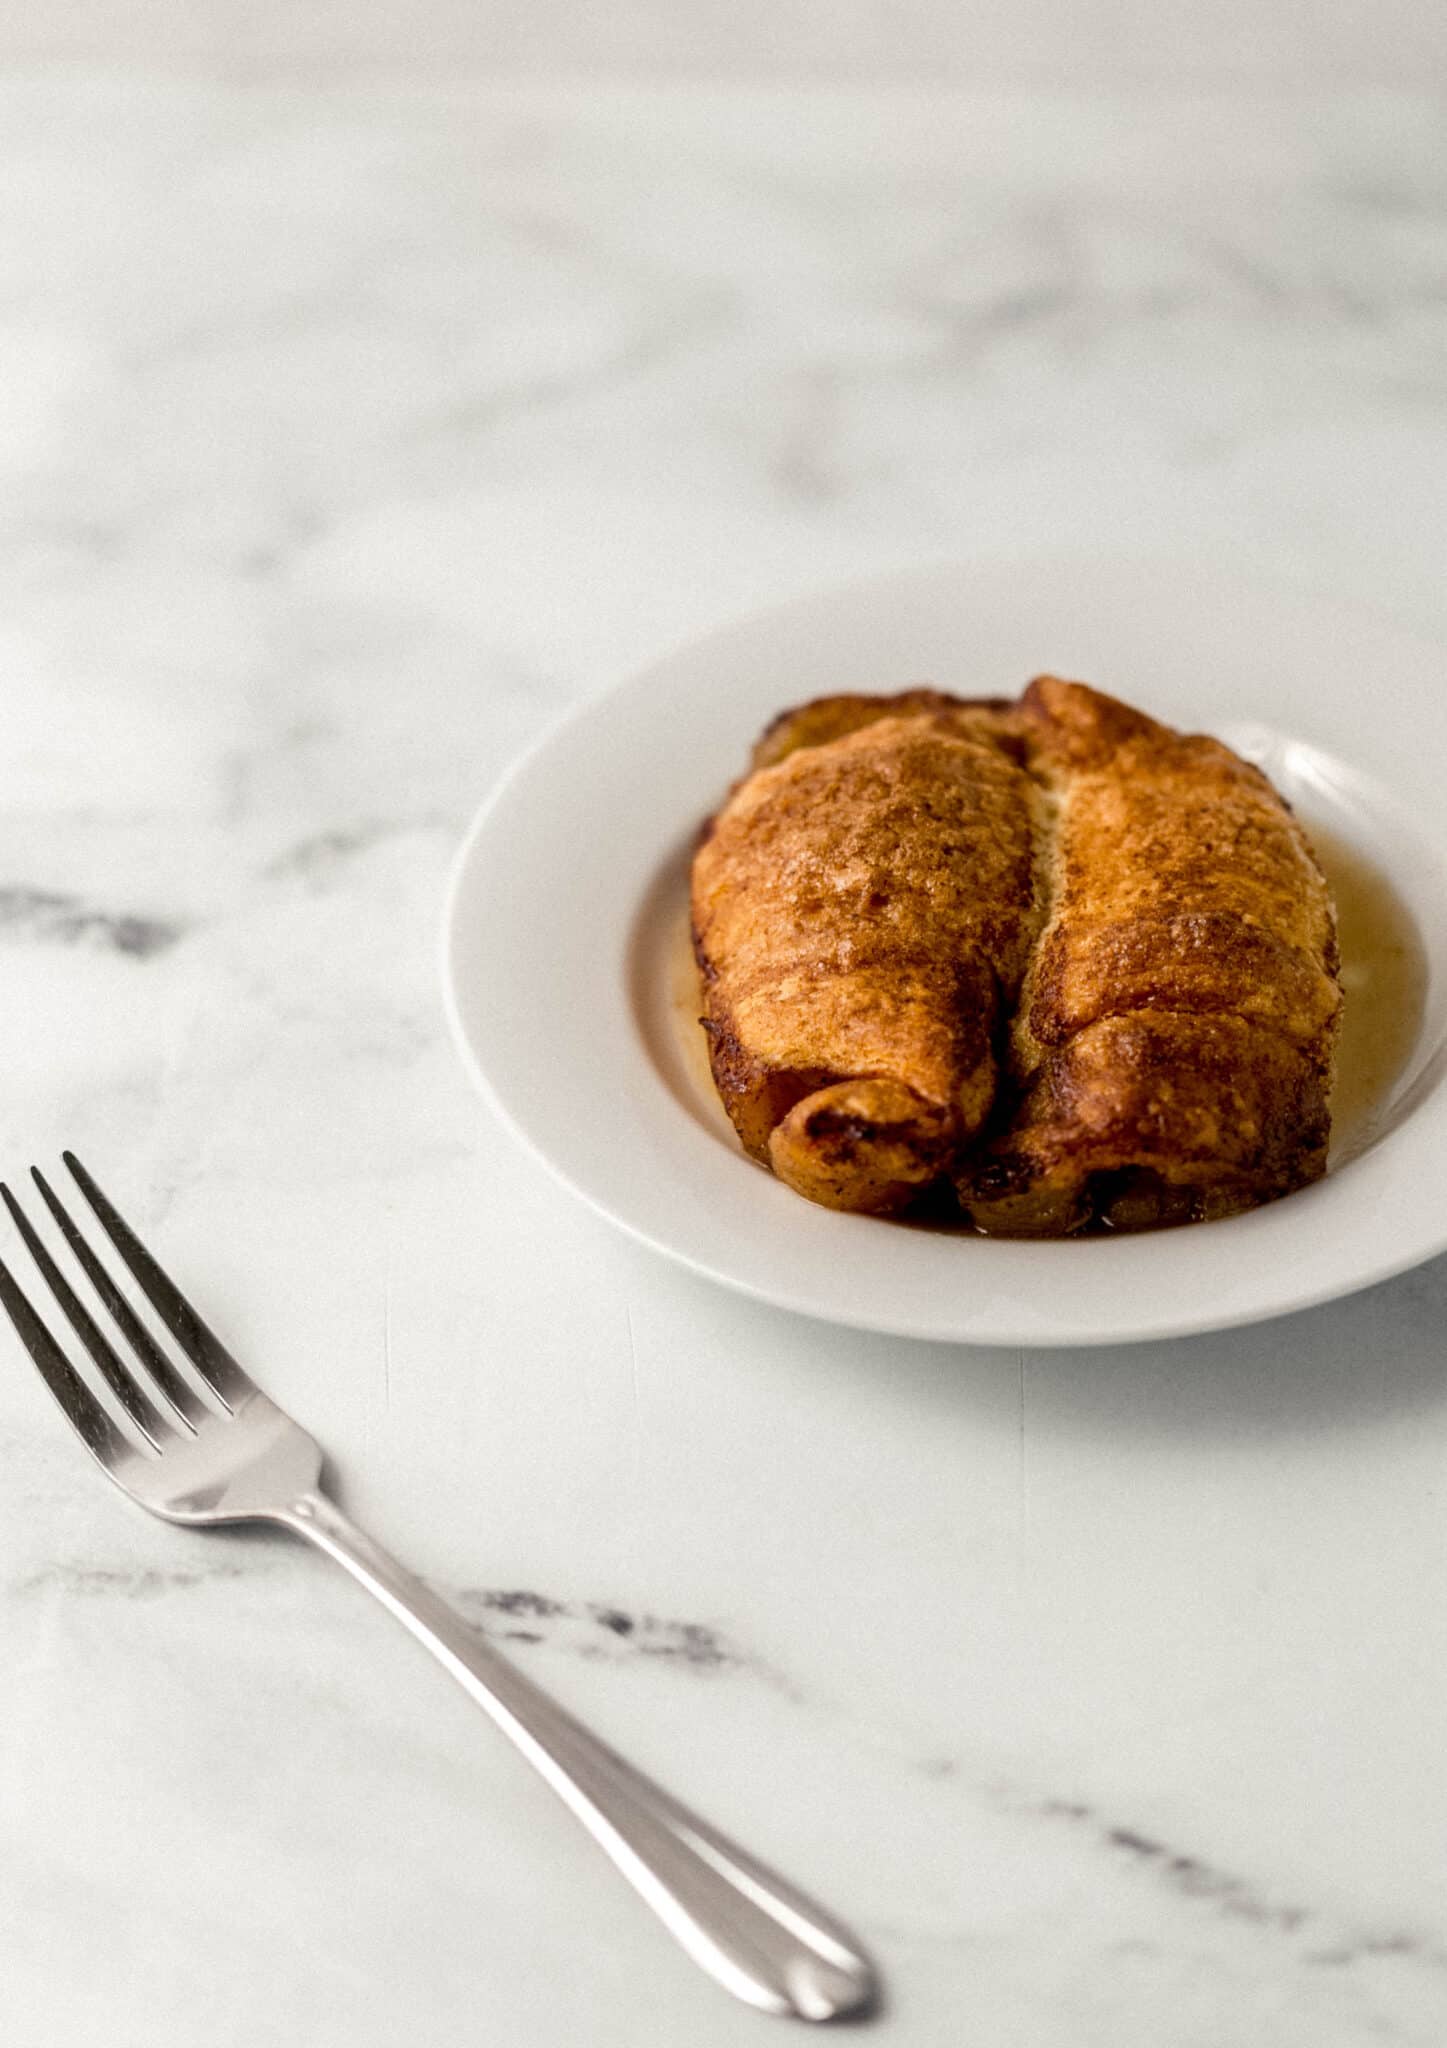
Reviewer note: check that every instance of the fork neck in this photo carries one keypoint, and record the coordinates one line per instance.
(316, 1516)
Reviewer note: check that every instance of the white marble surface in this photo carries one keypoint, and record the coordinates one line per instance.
(347, 434)
(964, 42)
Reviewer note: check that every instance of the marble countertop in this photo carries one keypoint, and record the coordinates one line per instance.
(349, 432)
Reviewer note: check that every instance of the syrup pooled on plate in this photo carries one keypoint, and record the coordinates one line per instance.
(1384, 990)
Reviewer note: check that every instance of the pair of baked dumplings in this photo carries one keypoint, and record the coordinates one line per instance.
(1045, 958)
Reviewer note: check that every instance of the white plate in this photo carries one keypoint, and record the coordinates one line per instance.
(568, 889)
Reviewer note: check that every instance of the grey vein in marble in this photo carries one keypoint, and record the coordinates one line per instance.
(1196, 1879)
(594, 1629)
(586, 1628)
(144, 1582)
(51, 914)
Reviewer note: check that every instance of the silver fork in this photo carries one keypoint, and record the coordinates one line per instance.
(243, 1460)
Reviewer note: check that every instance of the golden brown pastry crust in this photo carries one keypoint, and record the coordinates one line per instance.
(1080, 964)
(858, 908)
(824, 719)
(1173, 1042)
(1148, 1118)
(1179, 879)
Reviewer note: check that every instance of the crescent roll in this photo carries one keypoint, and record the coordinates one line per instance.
(1171, 1053)
(862, 913)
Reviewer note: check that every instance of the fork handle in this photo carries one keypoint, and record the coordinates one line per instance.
(754, 1934)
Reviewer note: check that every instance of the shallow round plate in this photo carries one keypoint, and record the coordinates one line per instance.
(563, 918)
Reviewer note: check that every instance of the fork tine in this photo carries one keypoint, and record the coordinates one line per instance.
(142, 1342)
(126, 1390)
(82, 1410)
(204, 1349)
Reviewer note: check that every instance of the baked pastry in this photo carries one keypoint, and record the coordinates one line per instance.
(1050, 953)
(1171, 1054)
(862, 911)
